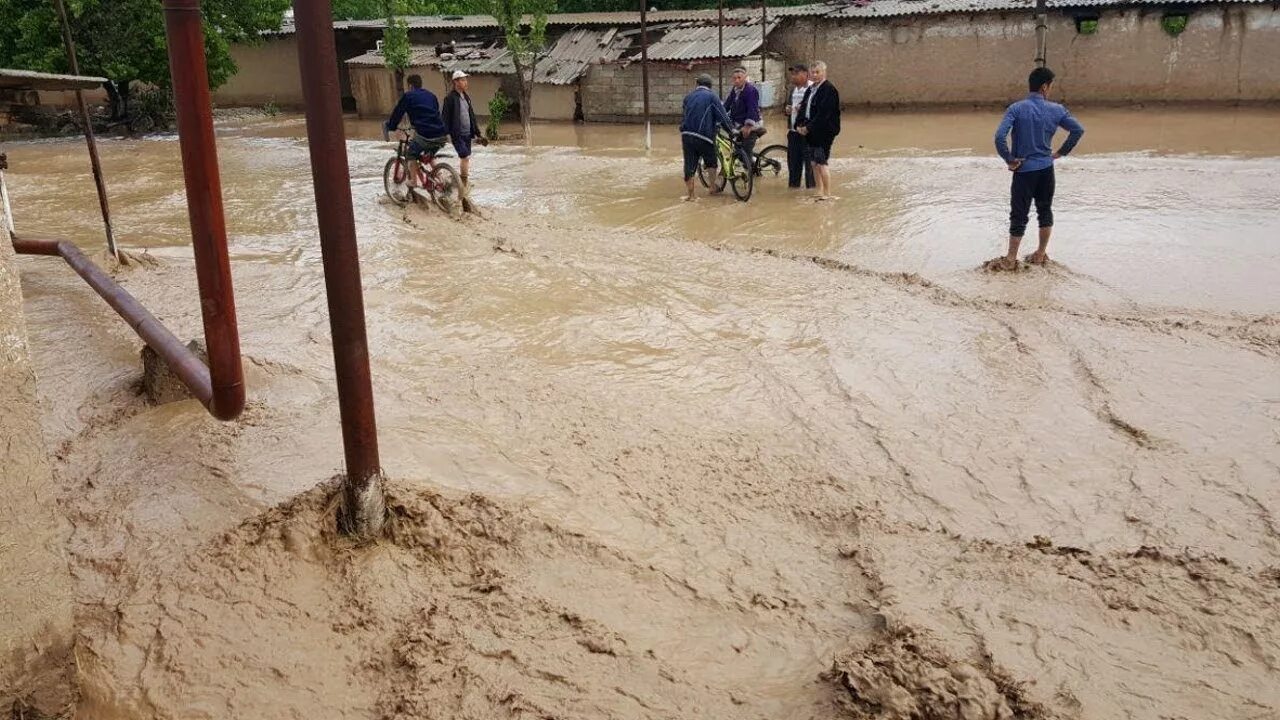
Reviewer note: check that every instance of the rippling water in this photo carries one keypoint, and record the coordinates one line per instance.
(713, 390)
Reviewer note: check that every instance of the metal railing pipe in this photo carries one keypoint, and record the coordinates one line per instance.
(362, 494)
(185, 35)
(189, 368)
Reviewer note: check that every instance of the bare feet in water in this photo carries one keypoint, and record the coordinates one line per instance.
(1038, 258)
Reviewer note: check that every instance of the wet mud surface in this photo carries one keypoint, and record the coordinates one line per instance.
(650, 460)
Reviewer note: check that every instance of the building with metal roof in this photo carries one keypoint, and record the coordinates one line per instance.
(700, 40)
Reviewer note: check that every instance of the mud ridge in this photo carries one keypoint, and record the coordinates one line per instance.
(1259, 334)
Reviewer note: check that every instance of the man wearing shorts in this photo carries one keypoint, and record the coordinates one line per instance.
(423, 110)
(703, 114)
(460, 120)
(819, 123)
(1033, 122)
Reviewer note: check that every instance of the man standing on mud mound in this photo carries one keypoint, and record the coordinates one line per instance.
(819, 123)
(423, 110)
(1033, 122)
(460, 120)
(703, 113)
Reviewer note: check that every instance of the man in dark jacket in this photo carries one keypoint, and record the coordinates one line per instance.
(460, 120)
(819, 122)
(423, 110)
(703, 114)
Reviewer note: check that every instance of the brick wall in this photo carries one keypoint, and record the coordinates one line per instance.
(613, 93)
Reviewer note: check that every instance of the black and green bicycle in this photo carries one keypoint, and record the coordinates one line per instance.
(735, 167)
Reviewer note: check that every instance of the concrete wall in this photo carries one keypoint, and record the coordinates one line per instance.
(1227, 53)
(36, 666)
(268, 73)
(613, 92)
(554, 102)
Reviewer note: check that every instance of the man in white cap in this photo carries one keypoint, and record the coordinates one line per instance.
(460, 121)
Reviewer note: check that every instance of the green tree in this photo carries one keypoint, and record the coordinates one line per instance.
(395, 43)
(526, 41)
(123, 40)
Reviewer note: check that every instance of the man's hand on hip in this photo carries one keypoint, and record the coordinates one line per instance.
(1015, 164)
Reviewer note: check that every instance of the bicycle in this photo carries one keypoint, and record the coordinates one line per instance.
(771, 161)
(439, 179)
(735, 167)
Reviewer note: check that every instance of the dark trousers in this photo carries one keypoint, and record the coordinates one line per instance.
(798, 161)
(1037, 185)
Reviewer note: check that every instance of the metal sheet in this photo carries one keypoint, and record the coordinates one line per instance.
(31, 80)
(696, 41)
(898, 8)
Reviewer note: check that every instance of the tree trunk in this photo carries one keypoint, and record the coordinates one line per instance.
(123, 90)
(399, 82)
(113, 100)
(525, 81)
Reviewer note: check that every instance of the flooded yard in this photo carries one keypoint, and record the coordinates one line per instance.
(775, 459)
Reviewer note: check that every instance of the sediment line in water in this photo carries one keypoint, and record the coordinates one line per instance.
(1260, 334)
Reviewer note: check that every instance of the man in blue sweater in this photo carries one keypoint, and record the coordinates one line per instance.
(703, 113)
(743, 106)
(1033, 122)
(423, 110)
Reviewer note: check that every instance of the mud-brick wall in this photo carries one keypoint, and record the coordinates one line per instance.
(1227, 53)
(613, 92)
(35, 588)
(266, 72)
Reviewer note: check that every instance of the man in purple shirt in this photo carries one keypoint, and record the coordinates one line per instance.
(1033, 122)
(743, 106)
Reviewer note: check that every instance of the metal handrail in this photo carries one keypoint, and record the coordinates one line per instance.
(219, 385)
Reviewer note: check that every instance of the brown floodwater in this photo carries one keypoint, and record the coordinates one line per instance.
(709, 460)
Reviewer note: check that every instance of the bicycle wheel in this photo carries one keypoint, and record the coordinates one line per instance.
(445, 188)
(711, 178)
(742, 176)
(395, 180)
(771, 162)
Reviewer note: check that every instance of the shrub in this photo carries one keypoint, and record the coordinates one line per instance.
(1087, 26)
(1174, 24)
(498, 108)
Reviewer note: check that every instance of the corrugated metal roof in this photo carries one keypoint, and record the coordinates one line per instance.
(897, 8)
(1121, 3)
(695, 41)
(32, 80)
(447, 22)
(563, 63)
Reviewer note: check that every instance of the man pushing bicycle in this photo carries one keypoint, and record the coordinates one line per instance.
(423, 109)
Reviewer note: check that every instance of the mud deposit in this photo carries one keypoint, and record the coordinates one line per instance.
(776, 460)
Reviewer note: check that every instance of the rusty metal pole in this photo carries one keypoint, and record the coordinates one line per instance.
(363, 503)
(94, 163)
(720, 47)
(644, 72)
(185, 34)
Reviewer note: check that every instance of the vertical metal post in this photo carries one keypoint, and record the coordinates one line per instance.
(644, 72)
(764, 36)
(184, 32)
(720, 48)
(1042, 31)
(6, 212)
(94, 163)
(363, 503)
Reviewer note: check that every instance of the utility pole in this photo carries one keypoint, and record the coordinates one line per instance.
(644, 72)
(720, 52)
(764, 35)
(88, 131)
(1042, 31)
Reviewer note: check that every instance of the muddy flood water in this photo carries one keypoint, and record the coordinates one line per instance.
(650, 459)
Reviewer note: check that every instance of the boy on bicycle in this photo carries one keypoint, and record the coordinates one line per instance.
(423, 110)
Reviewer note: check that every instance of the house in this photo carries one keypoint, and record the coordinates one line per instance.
(556, 93)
